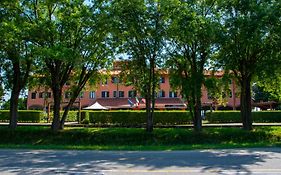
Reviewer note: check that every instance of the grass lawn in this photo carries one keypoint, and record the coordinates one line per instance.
(36, 137)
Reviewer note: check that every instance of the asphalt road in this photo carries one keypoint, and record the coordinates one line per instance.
(230, 161)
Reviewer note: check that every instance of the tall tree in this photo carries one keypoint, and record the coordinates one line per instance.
(140, 28)
(15, 51)
(192, 37)
(248, 44)
(64, 31)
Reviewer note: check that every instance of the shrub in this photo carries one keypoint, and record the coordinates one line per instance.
(234, 116)
(132, 118)
(24, 116)
(223, 117)
(72, 116)
(267, 116)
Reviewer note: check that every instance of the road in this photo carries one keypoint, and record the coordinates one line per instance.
(228, 161)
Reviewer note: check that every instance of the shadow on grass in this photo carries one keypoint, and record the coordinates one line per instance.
(98, 162)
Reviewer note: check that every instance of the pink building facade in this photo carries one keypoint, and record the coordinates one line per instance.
(112, 94)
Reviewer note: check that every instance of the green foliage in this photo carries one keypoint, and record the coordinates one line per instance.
(72, 116)
(192, 34)
(249, 44)
(218, 89)
(234, 116)
(261, 93)
(223, 117)
(137, 118)
(24, 116)
(21, 105)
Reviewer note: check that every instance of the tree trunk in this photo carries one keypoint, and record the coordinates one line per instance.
(57, 98)
(245, 102)
(14, 100)
(149, 122)
(197, 115)
(65, 113)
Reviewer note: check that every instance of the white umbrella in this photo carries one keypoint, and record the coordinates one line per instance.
(96, 106)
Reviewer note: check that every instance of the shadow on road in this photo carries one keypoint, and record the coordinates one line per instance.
(71, 162)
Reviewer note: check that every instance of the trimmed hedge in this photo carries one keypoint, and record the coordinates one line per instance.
(24, 116)
(72, 116)
(234, 116)
(133, 118)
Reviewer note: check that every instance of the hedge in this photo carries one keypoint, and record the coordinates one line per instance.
(72, 116)
(132, 118)
(234, 116)
(24, 116)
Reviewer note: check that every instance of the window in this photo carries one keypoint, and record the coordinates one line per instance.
(45, 95)
(115, 94)
(161, 93)
(162, 79)
(92, 94)
(33, 95)
(67, 95)
(173, 94)
(104, 94)
(41, 94)
(132, 94)
(121, 93)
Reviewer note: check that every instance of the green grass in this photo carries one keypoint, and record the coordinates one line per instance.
(137, 139)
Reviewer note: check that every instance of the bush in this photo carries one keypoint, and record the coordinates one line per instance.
(72, 116)
(133, 118)
(234, 116)
(224, 117)
(24, 116)
(267, 116)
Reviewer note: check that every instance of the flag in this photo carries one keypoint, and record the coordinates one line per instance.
(130, 103)
(137, 100)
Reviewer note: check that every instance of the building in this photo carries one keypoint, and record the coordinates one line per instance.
(115, 95)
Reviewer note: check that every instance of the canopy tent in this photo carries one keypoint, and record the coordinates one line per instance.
(96, 106)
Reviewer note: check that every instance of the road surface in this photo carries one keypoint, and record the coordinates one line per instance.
(227, 161)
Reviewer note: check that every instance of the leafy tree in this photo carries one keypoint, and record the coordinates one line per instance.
(93, 53)
(69, 36)
(140, 30)
(15, 51)
(248, 44)
(192, 36)
(218, 89)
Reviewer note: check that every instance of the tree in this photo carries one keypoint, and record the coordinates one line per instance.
(64, 33)
(140, 30)
(192, 37)
(248, 44)
(15, 51)
(218, 89)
